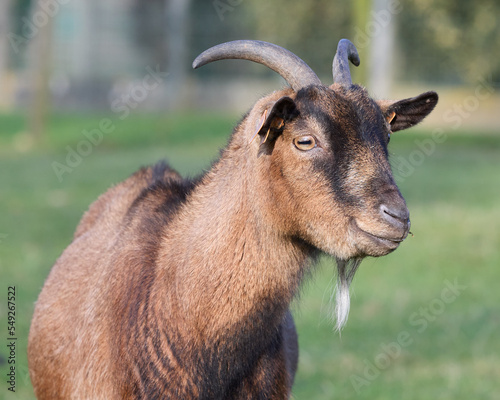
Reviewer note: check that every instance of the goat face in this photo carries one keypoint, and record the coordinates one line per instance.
(328, 174)
(323, 155)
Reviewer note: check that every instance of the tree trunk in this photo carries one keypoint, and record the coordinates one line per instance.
(177, 64)
(39, 57)
(382, 49)
(361, 18)
(5, 28)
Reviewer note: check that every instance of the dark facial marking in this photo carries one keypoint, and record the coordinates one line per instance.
(356, 132)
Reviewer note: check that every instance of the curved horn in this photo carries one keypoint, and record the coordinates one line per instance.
(346, 52)
(295, 71)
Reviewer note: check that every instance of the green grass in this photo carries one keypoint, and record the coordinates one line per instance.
(450, 350)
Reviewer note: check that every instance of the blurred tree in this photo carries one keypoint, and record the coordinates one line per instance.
(380, 62)
(5, 29)
(19, 12)
(150, 30)
(217, 21)
(162, 33)
(39, 53)
(450, 41)
(311, 29)
(445, 41)
(177, 22)
(361, 18)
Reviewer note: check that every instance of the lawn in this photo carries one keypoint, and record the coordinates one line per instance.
(425, 320)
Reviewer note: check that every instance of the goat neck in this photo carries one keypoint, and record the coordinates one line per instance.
(220, 279)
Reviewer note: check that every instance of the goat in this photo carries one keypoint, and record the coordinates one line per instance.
(181, 289)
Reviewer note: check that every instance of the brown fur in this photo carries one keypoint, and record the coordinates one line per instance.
(181, 290)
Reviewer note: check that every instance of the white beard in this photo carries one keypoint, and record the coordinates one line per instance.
(346, 270)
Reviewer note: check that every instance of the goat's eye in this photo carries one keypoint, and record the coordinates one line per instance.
(305, 143)
(388, 137)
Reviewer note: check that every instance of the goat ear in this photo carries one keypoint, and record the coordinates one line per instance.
(272, 122)
(406, 113)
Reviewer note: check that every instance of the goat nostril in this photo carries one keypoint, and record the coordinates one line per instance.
(399, 213)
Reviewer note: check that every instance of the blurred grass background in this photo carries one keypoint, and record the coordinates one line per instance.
(453, 197)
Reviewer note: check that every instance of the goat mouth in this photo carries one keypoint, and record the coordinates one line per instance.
(378, 244)
(385, 240)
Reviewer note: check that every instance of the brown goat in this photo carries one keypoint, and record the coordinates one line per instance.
(181, 289)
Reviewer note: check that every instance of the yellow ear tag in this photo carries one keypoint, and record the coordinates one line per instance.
(258, 127)
(389, 118)
(267, 134)
(277, 123)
